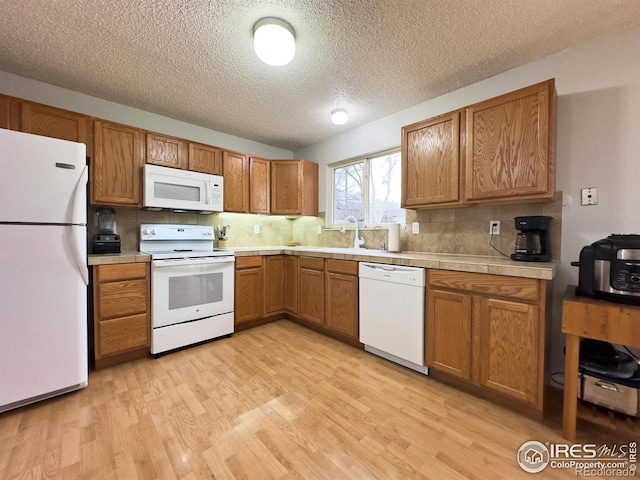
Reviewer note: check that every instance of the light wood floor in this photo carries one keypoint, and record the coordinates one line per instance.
(278, 401)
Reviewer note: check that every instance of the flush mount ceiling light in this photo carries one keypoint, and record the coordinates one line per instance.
(339, 116)
(274, 41)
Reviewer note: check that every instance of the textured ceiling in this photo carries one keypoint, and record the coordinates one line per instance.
(193, 60)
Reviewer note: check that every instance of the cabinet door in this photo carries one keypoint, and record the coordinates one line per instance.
(286, 187)
(53, 122)
(341, 314)
(167, 151)
(249, 292)
(311, 295)
(274, 284)
(4, 111)
(259, 185)
(431, 161)
(510, 145)
(235, 167)
(448, 333)
(116, 166)
(508, 348)
(291, 284)
(205, 159)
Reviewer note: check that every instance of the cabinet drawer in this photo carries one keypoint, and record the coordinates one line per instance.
(116, 299)
(312, 263)
(127, 271)
(346, 267)
(248, 262)
(122, 334)
(484, 283)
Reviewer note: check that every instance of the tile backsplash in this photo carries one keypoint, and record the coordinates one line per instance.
(447, 230)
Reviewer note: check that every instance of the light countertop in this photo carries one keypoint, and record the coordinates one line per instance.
(442, 261)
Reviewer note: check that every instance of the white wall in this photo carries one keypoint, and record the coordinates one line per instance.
(598, 143)
(47, 94)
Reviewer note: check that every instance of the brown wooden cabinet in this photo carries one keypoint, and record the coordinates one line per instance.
(291, 284)
(488, 330)
(431, 162)
(116, 165)
(52, 122)
(249, 289)
(311, 289)
(341, 297)
(498, 151)
(259, 185)
(235, 167)
(205, 159)
(4, 111)
(121, 309)
(274, 287)
(448, 342)
(510, 146)
(294, 187)
(166, 151)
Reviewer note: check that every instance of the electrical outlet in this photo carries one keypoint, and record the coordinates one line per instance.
(589, 196)
(256, 229)
(494, 227)
(319, 229)
(415, 228)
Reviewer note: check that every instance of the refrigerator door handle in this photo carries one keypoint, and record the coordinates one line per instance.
(79, 198)
(79, 242)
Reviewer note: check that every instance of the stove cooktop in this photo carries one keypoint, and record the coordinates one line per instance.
(165, 241)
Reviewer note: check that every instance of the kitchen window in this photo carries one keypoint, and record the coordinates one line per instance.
(367, 189)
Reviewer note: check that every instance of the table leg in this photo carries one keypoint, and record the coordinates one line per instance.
(570, 404)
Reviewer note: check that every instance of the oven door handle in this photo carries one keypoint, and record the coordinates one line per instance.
(179, 262)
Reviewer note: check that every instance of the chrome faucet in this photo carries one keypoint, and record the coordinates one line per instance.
(357, 241)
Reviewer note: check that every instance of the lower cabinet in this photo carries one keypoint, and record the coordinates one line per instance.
(341, 297)
(121, 303)
(249, 289)
(291, 284)
(274, 285)
(488, 330)
(311, 289)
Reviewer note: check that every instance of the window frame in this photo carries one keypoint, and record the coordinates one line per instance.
(330, 223)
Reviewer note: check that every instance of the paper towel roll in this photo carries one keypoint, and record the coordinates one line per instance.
(394, 237)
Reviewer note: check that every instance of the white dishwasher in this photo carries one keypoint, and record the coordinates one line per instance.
(392, 313)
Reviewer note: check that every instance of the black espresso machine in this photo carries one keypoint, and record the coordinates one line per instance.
(610, 269)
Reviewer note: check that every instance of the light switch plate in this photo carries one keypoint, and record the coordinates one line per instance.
(415, 228)
(590, 196)
(256, 229)
(319, 229)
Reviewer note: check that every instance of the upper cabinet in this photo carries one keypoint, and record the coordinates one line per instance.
(4, 111)
(235, 168)
(205, 159)
(259, 185)
(167, 151)
(48, 121)
(294, 187)
(116, 166)
(431, 162)
(498, 151)
(510, 150)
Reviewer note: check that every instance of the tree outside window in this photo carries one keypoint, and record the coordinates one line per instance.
(368, 189)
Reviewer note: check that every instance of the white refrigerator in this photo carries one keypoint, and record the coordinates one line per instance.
(43, 268)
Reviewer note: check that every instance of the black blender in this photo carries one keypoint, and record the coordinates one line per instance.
(106, 240)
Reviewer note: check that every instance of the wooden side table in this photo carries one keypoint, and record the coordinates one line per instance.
(597, 319)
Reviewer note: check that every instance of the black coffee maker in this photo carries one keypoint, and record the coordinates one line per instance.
(533, 243)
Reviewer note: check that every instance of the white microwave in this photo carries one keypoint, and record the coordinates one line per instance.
(181, 190)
